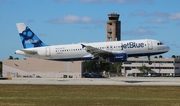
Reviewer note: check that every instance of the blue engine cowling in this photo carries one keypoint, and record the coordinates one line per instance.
(118, 57)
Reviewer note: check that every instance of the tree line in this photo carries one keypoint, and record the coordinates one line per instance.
(91, 66)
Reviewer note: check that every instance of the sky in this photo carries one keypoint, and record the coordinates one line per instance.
(74, 21)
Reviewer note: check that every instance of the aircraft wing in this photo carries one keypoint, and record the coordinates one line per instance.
(97, 52)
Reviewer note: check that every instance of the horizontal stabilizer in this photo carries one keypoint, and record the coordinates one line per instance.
(25, 52)
(30, 51)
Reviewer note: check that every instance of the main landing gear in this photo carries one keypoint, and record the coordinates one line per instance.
(149, 60)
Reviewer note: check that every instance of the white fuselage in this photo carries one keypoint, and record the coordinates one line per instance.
(71, 52)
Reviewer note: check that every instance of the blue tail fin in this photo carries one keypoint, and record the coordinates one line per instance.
(28, 38)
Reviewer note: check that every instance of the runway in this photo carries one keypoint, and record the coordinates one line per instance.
(157, 81)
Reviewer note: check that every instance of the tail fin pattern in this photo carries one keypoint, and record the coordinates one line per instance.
(28, 38)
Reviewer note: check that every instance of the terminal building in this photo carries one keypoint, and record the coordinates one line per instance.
(159, 67)
(37, 68)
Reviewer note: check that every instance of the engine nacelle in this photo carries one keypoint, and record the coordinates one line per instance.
(117, 57)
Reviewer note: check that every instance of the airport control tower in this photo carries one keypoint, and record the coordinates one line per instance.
(113, 25)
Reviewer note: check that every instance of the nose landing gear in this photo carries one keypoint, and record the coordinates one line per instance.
(149, 60)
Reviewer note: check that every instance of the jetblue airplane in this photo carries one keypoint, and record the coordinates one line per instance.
(114, 51)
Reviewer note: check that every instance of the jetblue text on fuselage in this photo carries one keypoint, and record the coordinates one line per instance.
(131, 45)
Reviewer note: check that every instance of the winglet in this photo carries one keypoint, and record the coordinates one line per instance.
(83, 45)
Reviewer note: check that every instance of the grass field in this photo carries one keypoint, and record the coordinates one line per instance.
(84, 95)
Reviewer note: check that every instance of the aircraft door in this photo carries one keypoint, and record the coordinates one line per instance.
(48, 52)
(150, 46)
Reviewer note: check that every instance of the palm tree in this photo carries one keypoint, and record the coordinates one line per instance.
(160, 56)
(117, 68)
(10, 57)
(16, 58)
(144, 68)
(173, 56)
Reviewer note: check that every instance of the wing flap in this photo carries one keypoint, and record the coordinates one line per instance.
(96, 52)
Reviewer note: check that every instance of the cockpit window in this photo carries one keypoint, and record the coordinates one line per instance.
(160, 43)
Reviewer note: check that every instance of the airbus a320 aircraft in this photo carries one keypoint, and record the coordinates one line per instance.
(114, 51)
